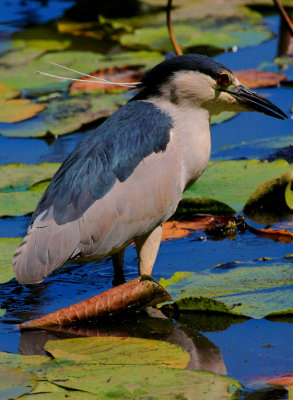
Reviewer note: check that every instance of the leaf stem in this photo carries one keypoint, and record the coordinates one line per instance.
(175, 44)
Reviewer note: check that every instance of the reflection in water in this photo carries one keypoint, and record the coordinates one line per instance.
(285, 41)
(152, 324)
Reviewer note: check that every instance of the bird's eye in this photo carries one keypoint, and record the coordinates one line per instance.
(223, 79)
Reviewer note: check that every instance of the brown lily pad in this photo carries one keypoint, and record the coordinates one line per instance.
(254, 78)
(121, 74)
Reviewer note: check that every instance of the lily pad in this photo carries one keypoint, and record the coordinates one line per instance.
(24, 76)
(190, 37)
(148, 382)
(252, 289)
(187, 207)
(221, 180)
(14, 382)
(63, 116)
(272, 198)
(8, 93)
(21, 189)
(118, 351)
(17, 110)
(40, 38)
(271, 148)
(8, 247)
(224, 116)
(21, 176)
(140, 373)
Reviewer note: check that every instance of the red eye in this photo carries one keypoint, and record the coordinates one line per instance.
(223, 79)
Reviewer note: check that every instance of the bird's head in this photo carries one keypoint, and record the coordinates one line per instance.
(198, 81)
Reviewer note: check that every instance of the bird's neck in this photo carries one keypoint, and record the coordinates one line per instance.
(190, 138)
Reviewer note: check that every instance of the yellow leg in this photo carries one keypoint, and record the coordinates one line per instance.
(147, 249)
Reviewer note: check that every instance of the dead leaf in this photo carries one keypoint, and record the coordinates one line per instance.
(114, 74)
(279, 235)
(179, 229)
(254, 78)
(137, 293)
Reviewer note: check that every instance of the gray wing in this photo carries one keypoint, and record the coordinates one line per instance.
(107, 192)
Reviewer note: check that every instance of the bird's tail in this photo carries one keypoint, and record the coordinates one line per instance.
(45, 248)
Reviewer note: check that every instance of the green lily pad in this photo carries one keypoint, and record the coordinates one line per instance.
(147, 59)
(148, 382)
(189, 37)
(21, 176)
(252, 289)
(22, 186)
(221, 180)
(40, 38)
(135, 368)
(2, 312)
(187, 207)
(113, 351)
(24, 76)
(8, 247)
(63, 116)
(200, 12)
(271, 200)
(14, 382)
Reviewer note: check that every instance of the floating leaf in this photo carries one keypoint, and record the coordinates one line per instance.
(112, 350)
(189, 37)
(253, 289)
(188, 207)
(117, 74)
(222, 117)
(23, 75)
(65, 116)
(254, 78)
(17, 175)
(271, 148)
(14, 382)
(40, 38)
(135, 294)
(20, 188)
(17, 110)
(8, 247)
(279, 235)
(141, 372)
(221, 180)
(147, 382)
(8, 93)
(268, 200)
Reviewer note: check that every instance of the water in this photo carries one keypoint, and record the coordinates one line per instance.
(250, 350)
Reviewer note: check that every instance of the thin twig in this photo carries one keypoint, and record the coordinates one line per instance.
(175, 44)
(284, 15)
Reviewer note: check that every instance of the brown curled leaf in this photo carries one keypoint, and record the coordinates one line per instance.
(138, 293)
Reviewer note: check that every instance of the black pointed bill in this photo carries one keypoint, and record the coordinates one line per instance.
(256, 102)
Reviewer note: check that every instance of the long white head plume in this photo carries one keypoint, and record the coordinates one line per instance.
(94, 79)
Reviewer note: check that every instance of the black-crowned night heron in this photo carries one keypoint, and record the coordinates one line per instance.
(125, 179)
